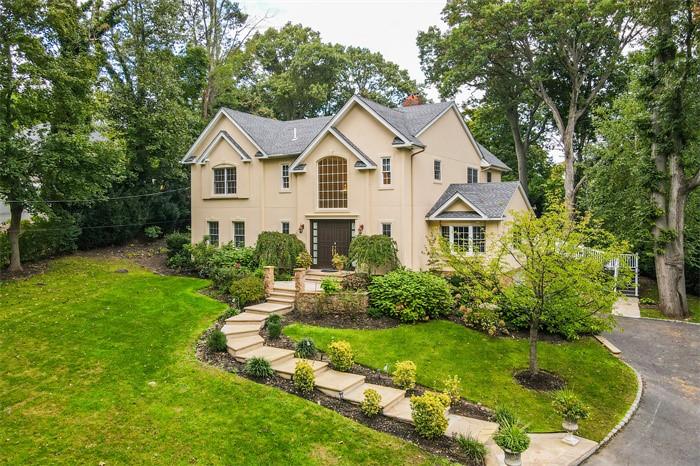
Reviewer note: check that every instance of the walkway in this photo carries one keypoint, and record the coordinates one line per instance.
(666, 428)
(245, 342)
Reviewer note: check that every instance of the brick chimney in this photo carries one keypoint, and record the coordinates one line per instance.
(412, 99)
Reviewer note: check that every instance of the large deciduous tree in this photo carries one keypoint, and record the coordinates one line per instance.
(49, 62)
(564, 53)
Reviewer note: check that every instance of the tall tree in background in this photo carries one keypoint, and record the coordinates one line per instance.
(564, 53)
(49, 62)
(221, 28)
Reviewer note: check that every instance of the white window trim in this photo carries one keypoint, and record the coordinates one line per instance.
(317, 200)
(289, 175)
(233, 230)
(282, 222)
(381, 172)
(478, 172)
(436, 180)
(386, 222)
(470, 251)
(218, 227)
(223, 166)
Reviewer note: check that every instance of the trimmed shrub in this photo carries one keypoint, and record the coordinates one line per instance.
(305, 349)
(371, 405)
(216, 341)
(248, 290)
(278, 249)
(340, 355)
(274, 326)
(484, 318)
(410, 296)
(304, 260)
(356, 282)
(153, 232)
(512, 437)
(452, 387)
(175, 243)
(428, 412)
(374, 252)
(404, 375)
(259, 368)
(304, 378)
(330, 285)
(569, 406)
(472, 448)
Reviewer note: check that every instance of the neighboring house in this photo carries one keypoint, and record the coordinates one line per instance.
(409, 172)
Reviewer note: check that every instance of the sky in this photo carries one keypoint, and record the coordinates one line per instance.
(386, 26)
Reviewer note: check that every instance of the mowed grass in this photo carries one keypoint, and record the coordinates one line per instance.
(98, 367)
(486, 366)
(654, 313)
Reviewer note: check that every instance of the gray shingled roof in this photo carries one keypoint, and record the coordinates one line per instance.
(490, 198)
(276, 137)
(453, 215)
(492, 159)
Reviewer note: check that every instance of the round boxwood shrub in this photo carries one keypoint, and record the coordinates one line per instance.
(428, 412)
(274, 326)
(303, 378)
(410, 296)
(371, 404)
(404, 375)
(340, 354)
(248, 290)
(216, 341)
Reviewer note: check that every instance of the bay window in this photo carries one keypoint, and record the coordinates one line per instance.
(470, 239)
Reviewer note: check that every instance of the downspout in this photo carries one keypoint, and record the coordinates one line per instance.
(413, 203)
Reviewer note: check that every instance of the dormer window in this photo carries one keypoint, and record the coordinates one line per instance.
(472, 175)
(225, 180)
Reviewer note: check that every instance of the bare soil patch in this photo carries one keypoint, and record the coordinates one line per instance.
(542, 381)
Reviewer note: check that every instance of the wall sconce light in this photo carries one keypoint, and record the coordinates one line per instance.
(360, 229)
(301, 228)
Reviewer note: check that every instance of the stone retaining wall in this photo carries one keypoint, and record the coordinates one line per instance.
(343, 302)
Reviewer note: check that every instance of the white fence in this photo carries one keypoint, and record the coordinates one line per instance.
(630, 260)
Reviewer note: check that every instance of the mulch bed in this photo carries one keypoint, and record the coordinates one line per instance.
(443, 446)
(543, 381)
(360, 322)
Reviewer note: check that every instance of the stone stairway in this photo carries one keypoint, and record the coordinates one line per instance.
(244, 342)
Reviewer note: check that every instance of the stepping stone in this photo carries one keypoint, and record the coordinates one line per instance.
(268, 308)
(461, 425)
(282, 299)
(286, 291)
(400, 411)
(334, 383)
(286, 368)
(270, 353)
(390, 396)
(241, 330)
(242, 344)
(247, 318)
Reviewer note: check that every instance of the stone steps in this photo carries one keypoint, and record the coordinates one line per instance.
(286, 368)
(237, 345)
(461, 425)
(241, 329)
(268, 308)
(277, 291)
(269, 353)
(390, 396)
(281, 299)
(246, 318)
(336, 384)
(400, 411)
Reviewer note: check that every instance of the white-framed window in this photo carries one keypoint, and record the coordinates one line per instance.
(386, 229)
(284, 181)
(285, 227)
(488, 177)
(213, 231)
(239, 234)
(225, 180)
(472, 175)
(333, 183)
(437, 170)
(386, 171)
(470, 239)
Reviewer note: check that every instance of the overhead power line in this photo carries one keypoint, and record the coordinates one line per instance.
(141, 224)
(100, 199)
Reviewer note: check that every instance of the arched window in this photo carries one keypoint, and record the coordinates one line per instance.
(333, 183)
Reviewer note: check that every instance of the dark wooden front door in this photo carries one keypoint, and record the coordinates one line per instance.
(325, 234)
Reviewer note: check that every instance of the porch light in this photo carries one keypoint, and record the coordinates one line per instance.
(301, 228)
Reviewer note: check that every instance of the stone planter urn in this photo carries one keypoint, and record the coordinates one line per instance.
(570, 426)
(511, 458)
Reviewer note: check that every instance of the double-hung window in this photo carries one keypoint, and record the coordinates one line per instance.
(213, 230)
(285, 227)
(386, 171)
(386, 229)
(285, 177)
(472, 175)
(225, 180)
(437, 170)
(488, 177)
(470, 239)
(239, 234)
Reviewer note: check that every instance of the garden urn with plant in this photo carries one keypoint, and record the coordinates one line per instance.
(513, 440)
(572, 410)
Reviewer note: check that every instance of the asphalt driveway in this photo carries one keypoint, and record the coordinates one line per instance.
(665, 431)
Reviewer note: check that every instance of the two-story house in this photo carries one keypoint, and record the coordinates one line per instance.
(408, 172)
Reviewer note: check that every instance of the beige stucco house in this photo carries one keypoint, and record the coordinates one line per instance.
(408, 172)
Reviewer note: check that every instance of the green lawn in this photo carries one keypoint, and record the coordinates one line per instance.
(653, 293)
(98, 366)
(486, 365)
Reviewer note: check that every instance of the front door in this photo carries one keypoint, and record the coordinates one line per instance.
(328, 236)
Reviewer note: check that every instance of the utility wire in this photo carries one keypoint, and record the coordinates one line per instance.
(59, 201)
(109, 226)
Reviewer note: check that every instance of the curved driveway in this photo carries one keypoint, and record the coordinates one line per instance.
(665, 431)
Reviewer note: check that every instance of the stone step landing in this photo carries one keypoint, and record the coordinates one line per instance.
(270, 353)
(281, 299)
(246, 318)
(268, 308)
(336, 384)
(461, 425)
(400, 411)
(241, 329)
(286, 368)
(237, 345)
(390, 396)
(284, 291)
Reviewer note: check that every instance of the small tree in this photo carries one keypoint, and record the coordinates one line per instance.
(542, 272)
(371, 253)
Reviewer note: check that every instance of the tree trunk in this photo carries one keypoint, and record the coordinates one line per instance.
(534, 328)
(569, 170)
(520, 148)
(16, 210)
